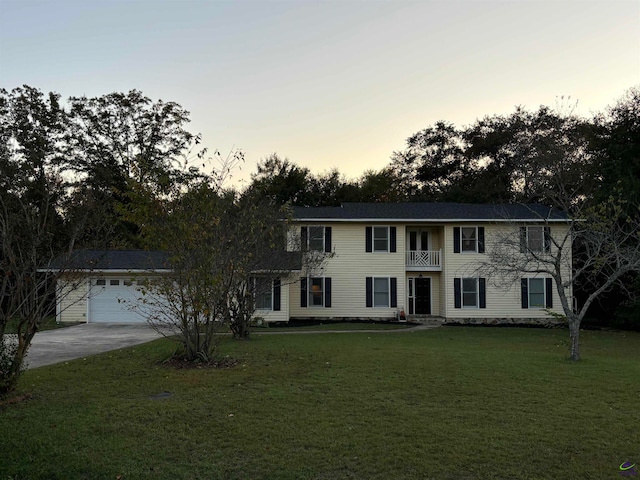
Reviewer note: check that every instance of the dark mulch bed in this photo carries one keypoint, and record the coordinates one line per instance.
(180, 362)
(12, 400)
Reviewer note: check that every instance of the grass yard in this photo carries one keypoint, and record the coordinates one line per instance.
(48, 323)
(449, 403)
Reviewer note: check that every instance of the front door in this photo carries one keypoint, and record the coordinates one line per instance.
(423, 296)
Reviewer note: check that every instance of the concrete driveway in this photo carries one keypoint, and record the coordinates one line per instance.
(62, 344)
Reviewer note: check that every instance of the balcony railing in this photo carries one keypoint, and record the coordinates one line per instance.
(427, 259)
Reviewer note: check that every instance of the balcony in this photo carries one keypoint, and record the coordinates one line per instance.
(424, 260)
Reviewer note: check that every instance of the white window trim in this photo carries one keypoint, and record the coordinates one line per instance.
(323, 291)
(544, 293)
(528, 245)
(462, 250)
(373, 239)
(418, 232)
(309, 227)
(373, 292)
(262, 309)
(462, 291)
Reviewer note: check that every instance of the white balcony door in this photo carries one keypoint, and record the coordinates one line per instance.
(419, 240)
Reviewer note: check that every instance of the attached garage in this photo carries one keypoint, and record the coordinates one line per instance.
(114, 300)
(102, 285)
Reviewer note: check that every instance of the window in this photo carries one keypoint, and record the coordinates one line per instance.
(468, 239)
(535, 239)
(316, 238)
(315, 292)
(101, 281)
(381, 292)
(469, 293)
(316, 296)
(380, 239)
(114, 282)
(263, 293)
(537, 292)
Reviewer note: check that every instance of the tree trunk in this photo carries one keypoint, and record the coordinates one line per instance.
(574, 338)
(9, 378)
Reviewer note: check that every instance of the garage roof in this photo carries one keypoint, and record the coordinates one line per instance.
(101, 260)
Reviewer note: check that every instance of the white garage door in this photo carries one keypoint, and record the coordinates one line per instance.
(113, 300)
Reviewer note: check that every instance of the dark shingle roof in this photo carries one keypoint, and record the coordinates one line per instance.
(429, 212)
(112, 260)
(153, 260)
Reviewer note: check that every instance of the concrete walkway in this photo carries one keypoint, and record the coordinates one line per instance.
(274, 331)
(63, 344)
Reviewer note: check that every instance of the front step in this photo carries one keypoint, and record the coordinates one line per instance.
(426, 319)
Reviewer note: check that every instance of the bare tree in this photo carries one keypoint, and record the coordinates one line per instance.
(594, 250)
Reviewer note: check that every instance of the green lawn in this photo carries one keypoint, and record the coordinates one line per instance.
(449, 403)
(48, 323)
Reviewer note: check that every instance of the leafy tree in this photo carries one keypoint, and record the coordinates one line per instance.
(33, 229)
(498, 159)
(280, 181)
(119, 145)
(382, 186)
(616, 144)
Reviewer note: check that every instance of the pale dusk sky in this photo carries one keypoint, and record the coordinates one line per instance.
(326, 83)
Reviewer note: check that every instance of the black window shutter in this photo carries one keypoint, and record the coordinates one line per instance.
(524, 293)
(304, 242)
(413, 241)
(276, 294)
(303, 292)
(369, 291)
(456, 239)
(457, 292)
(523, 241)
(482, 292)
(548, 292)
(480, 239)
(547, 239)
(327, 292)
(327, 239)
(369, 239)
(392, 239)
(394, 292)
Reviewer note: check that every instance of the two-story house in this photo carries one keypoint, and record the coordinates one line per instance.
(383, 259)
(417, 258)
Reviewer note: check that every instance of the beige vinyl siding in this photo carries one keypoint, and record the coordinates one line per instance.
(348, 270)
(502, 302)
(72, 304)
(271, 316)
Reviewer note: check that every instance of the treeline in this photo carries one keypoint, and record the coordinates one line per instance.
(549, 156)
(91, 172)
